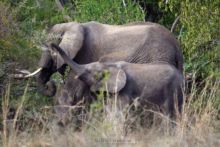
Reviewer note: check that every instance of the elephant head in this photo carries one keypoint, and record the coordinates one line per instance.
(84, 79)
(100, 76)
(96, 75)
(51, 62)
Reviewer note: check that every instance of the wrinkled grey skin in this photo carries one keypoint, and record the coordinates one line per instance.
(93, 41)
(156, 83)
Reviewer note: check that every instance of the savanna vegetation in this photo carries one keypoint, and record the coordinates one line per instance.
(27, 117)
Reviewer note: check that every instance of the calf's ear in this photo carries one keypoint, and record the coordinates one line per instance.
(114, 81)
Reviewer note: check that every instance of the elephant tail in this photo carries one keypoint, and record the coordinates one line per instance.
(179, 60)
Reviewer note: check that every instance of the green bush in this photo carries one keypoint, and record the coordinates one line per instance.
(6, 29)
(108, 11)
(199, 34)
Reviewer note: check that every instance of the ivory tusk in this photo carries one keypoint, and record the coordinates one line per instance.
(33, 73)
(23, 71)
(17, 76)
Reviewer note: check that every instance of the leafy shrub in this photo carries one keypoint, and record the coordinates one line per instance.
(6, 28)
(111, 12)
(199, 34)
(14, 45)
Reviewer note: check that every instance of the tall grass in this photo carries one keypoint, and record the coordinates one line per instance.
(197, 125)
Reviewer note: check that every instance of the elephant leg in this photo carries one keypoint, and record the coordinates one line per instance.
(180, 98)
(173, 102)
(45, 85)
(62, 107)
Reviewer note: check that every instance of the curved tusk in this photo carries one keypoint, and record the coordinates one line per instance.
(23, 71)
(33, 73)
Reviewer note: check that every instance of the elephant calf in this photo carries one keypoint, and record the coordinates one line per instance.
(158, 83)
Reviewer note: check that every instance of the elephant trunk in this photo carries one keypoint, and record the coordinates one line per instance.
(79, 70)
(45, 85)
(74, 66)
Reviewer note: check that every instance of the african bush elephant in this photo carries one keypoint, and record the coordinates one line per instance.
(89, 42)
(154, 83)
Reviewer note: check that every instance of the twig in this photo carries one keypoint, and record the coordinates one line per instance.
(175, 23)
(181, 30)
(124, 3)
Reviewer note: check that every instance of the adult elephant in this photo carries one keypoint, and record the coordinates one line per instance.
(88, 42)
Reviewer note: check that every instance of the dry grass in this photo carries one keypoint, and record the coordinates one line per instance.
(6, 21)
(196, 127)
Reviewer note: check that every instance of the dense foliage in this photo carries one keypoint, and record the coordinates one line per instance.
(24, 23)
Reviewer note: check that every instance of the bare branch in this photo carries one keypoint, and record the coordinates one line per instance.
(175, 23)
(124, 3)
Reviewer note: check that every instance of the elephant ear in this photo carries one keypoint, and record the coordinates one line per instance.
(71, 41)
(114, 82)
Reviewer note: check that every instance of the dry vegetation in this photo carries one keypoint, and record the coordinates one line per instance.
(198, 125)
